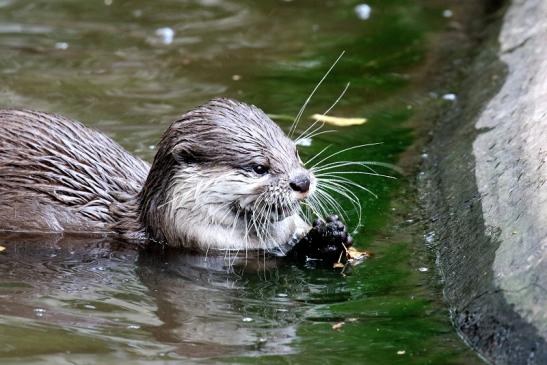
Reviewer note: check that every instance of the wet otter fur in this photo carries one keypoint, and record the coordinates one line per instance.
(224, 177)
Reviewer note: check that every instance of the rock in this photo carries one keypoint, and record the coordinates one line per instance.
(485, 182)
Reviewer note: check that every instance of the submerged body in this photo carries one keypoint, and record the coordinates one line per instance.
(224, 177)
(57, 175)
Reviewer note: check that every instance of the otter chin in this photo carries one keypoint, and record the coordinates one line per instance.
(225, 176)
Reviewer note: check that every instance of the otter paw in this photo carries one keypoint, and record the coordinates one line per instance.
(326, 242)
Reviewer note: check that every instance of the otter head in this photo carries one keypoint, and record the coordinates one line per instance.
(225, 176)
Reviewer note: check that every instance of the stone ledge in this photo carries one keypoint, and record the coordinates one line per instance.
(485, 188)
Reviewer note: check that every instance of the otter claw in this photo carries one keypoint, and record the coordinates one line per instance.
(326, 242)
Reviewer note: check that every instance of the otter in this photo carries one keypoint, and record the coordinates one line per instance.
(225, 177)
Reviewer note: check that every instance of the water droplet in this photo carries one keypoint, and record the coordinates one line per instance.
(363, 11)
(423, 269)
(133, 326)
(166, 34)
(39, 312)
(247, 319)
(61, 45)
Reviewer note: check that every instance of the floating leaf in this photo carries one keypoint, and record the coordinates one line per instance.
(355, 254)
(337, 121)
(338, 326)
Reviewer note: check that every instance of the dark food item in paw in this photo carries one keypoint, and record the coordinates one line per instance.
(326, 242)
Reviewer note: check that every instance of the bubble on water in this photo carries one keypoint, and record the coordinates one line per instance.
(450, 97)
(423, 269)
(133, 327)
(363, 11)
(89, 306)
(61, 45)
(39, 312)
(247, 319)
(166, 34)
(448, 13)
(282, 295)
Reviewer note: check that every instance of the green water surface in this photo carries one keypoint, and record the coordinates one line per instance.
(110, 65)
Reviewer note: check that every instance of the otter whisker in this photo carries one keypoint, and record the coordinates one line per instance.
(338, 164)
(226, 213)
(318, 207)
(346, 193)
(335, 205)
(316, 155)
(303, 108)
(258, 219)
(300, 137)
(343, 181)
(332, 203)
(235, 258)
(309, 130)
(342, 190)
(337, 173)
(345, 150)
(313, 134)
(338, 99)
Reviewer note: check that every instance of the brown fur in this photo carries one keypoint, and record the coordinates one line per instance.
(58, 175)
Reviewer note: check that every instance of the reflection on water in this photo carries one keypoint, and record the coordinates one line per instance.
(183, 303)
(129, 68)
(107, 293)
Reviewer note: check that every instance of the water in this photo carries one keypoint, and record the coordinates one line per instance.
(128, 69)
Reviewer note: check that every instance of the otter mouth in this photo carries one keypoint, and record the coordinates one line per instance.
(272, 213)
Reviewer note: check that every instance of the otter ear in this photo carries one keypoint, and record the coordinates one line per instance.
(186, 153)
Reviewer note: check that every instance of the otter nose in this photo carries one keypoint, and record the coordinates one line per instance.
(300, 183)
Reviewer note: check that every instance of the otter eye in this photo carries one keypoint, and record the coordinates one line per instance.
(260, 169)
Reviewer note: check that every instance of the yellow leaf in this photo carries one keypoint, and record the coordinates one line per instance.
(340, 122)
(2, 248)
(338, 265)
(356, 254)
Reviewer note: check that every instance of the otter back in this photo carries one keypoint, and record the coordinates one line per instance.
(57, 175)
